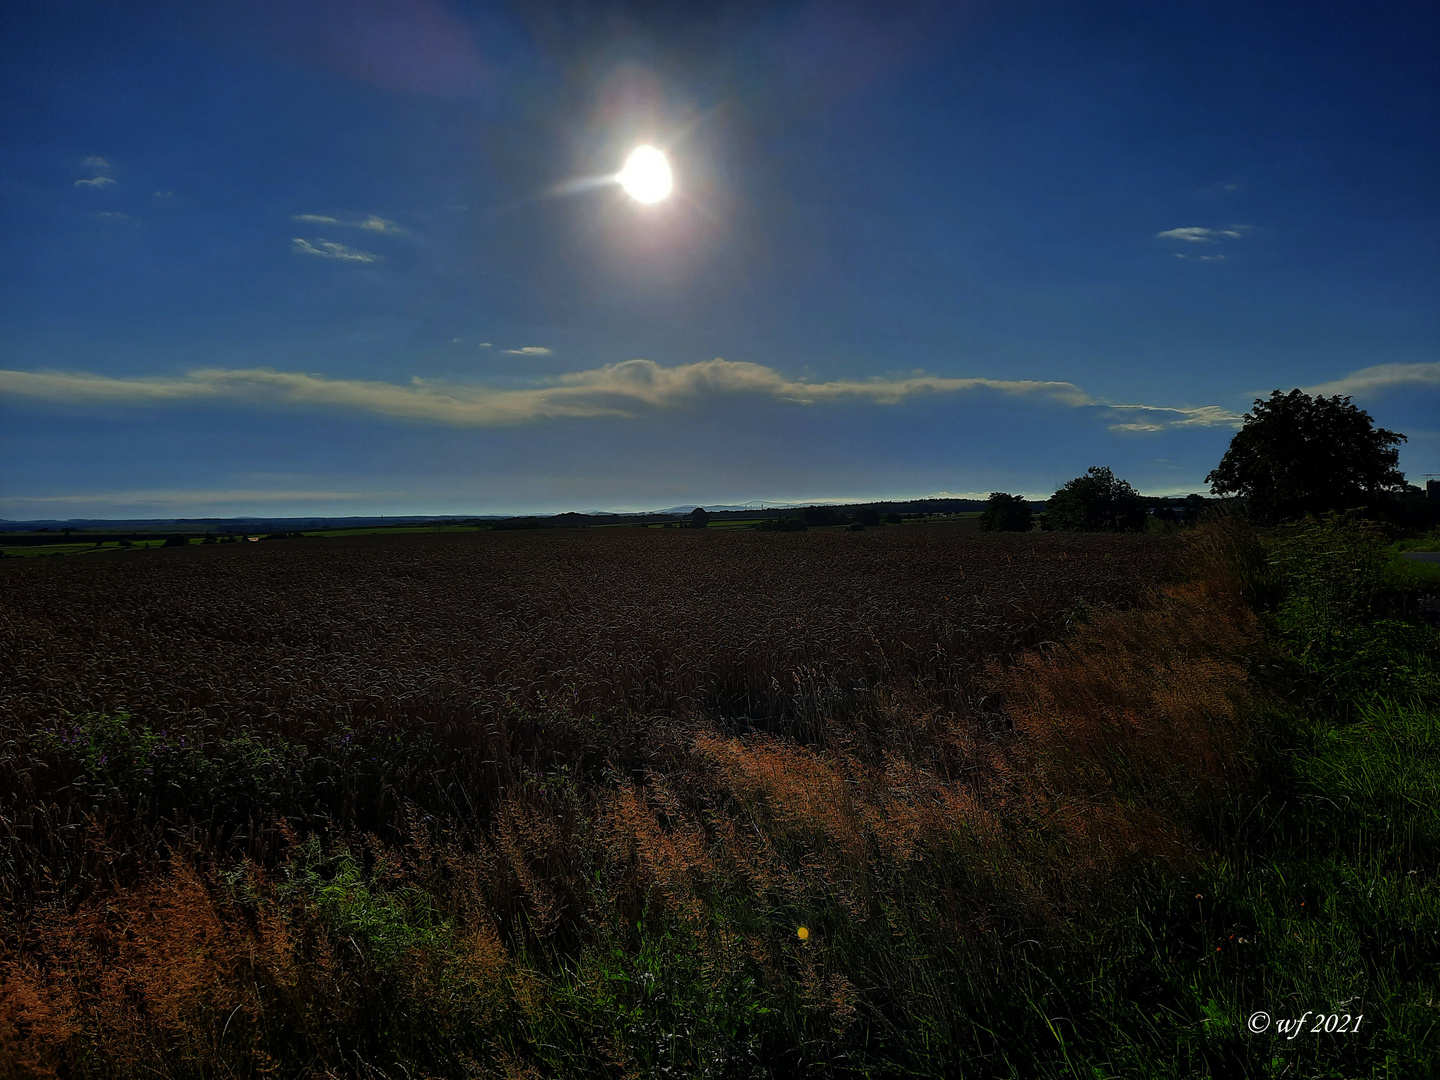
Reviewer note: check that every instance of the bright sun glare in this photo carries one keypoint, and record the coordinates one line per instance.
(646, 176)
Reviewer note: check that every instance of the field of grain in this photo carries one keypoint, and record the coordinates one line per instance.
(449, 628)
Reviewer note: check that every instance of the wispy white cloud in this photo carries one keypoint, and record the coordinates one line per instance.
(1200, 258)
(627, 389)
(1196, 234)
(327, 249)
(1380, 377)
(370, 223)
(101, 168)
(1149, 418)
(486, 345)
(529, 350)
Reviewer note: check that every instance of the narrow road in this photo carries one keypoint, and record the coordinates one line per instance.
(1421, 556)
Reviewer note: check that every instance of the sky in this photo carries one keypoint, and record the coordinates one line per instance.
(368, 256)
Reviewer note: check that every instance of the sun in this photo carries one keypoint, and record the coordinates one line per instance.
(646, 175)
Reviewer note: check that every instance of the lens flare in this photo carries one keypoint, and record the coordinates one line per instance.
(646, 175)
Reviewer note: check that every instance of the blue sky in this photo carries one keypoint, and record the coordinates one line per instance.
(339, 257)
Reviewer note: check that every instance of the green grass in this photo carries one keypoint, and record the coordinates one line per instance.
(1326, 902)
(1429, 542)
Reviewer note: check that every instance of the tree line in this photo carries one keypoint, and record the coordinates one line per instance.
(1294, 455)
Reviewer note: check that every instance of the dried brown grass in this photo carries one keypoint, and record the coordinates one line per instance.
(1132, 727)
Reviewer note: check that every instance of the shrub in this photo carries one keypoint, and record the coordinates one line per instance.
(175, 541)
(868, 517)
(699, 519)
(893, 519)
(782, 525)
(1330, 571)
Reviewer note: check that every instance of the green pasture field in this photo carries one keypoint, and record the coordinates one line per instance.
(73, 548)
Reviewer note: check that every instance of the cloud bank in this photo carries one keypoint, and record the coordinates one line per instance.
(1380, 377)
(624, 390)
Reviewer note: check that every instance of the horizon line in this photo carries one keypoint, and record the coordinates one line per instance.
(755, 505)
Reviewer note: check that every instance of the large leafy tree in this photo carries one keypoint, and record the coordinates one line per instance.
(1099, 501)
(1298, 454)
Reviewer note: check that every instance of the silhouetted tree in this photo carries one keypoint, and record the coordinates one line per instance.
(782, 525)
(867, 517)
(1006, 513)
(699, 518)
(1099, 501)
(1298, 455)
(175, 541)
